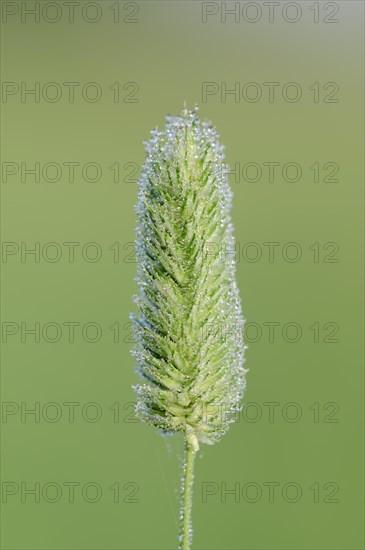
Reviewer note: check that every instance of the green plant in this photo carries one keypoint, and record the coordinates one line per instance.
(189, 327)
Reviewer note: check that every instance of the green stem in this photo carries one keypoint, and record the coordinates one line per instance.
(186, 531)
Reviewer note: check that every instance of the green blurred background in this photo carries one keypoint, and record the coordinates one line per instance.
(314, 439)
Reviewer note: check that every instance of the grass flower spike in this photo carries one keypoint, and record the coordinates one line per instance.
(189, 348)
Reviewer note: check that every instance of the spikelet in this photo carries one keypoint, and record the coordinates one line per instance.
(189, 348)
